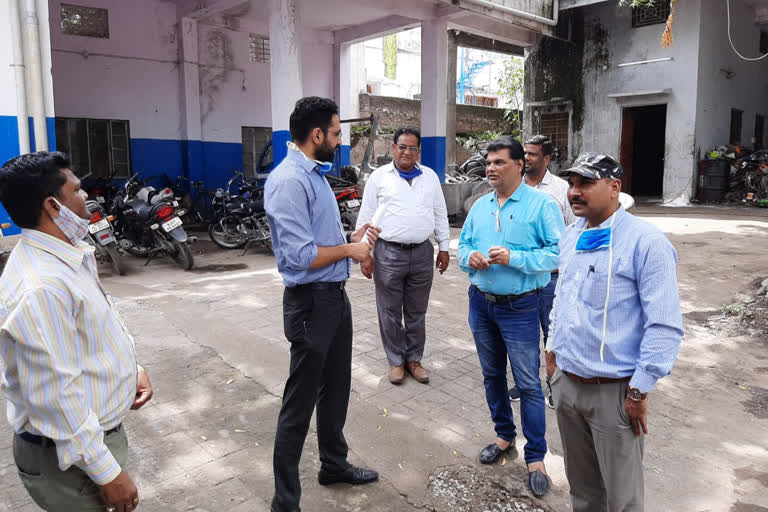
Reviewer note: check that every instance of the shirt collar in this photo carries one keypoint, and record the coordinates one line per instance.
(301, 158)
(620, 213)
(548, 177)
(518, 195)
(70, 254)
(395, 169)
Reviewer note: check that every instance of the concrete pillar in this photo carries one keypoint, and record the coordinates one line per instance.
(450, 115)
(344, 94)
(192, 131)
(285, 46)
(434, 101)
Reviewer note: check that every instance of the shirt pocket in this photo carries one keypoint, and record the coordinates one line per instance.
(594, 289)
(519, 234)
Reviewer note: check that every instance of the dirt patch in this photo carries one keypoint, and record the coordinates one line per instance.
(747, 507)
(748, 315)
(222, 267)
(467, 488)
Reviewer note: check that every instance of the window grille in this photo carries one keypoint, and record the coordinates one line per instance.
(77, 20)
(651, 14)
(99, 146)
(259, 49)
(555, 126)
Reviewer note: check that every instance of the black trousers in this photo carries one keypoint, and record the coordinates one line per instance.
(318, 324)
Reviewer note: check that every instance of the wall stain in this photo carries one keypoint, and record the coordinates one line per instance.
(216, 65)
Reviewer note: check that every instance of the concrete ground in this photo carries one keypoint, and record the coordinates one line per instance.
(213, 344)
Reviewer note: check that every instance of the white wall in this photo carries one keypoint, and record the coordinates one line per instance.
(747, 90)
(623, 44)
(132, 75)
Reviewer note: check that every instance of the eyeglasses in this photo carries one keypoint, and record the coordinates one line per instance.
(403, 147)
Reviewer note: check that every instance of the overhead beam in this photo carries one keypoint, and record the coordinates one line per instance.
(468, 40)
(208, 8)
(375, 28)
(572, 4)
(494, 29)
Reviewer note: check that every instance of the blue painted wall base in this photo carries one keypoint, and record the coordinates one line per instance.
(433, 155)
(280, 140)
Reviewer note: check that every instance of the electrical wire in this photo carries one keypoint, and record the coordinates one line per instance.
(728, 3)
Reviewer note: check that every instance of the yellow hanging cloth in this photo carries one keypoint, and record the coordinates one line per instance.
(667, 39)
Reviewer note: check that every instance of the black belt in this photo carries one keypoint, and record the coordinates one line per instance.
(503, 299)
(555, 273)
(324, 285)
(596, 380)
(403, 246)
(44, 441)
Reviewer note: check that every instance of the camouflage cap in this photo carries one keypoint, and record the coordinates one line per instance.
(595, 166)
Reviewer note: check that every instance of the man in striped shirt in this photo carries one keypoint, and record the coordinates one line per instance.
(69, 369)
(616, 330)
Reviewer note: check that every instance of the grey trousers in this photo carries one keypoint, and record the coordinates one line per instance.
(403, 280)
(55, 490)
(603, 457)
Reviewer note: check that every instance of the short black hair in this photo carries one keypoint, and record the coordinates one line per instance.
(310, 113)
(512, 145)
(407, 131)
(547, 148)
(25, 182)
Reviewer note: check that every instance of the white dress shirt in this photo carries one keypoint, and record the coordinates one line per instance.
(557, 187)
(68, 362)
(406, 213)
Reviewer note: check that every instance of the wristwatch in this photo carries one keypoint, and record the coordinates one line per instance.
(636, 395)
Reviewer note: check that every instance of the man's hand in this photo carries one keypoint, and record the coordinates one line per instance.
(143, 391)
(637, 410)
(477, 261)
(358, 251)
(498, 256)
(442, 261)
(121, 493)
(551, 361)
(366, 267)
(373, 234)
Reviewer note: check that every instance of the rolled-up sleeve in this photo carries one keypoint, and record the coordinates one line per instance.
(656, 275)
(50, 377)
(287, 204)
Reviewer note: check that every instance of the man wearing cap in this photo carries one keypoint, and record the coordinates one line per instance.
(508, 245)
(616, 329)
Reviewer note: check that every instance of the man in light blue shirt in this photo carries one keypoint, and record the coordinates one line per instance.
(312, 254)
(508, 246)
(616, 329)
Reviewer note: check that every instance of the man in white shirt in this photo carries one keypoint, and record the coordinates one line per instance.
(405, 199)
(538, 154)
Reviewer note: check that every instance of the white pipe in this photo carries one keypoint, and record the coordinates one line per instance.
(522, 14)
(21, 88)
(644, 62)
(33, 59)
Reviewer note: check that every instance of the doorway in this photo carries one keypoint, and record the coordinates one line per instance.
(642, 150)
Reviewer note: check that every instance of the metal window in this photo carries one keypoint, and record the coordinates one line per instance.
(259, 49)
(77, 20)
(555, 126)
(97, 146)
(254, 141)
(651, 14)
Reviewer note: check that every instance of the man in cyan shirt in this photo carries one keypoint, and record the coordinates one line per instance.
(509, 247)
(68, 362)
(616, 329)
(405, 199)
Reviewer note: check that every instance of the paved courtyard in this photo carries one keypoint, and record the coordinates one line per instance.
(212, 342)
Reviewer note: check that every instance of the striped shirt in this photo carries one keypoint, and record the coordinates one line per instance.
(68, 363)
(644, 324)
(303, 215)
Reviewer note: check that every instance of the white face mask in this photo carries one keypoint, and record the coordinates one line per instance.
(71, 224)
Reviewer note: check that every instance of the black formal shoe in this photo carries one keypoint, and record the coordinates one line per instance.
(538, 482)
(492, 452)
(352, 475)
(277, 508)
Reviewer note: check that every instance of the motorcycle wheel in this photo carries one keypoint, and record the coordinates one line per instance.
(348, 220)
(182, 255)
(226, 238)
(115, 259)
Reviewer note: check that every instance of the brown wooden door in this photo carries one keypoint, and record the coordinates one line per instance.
(626, 154)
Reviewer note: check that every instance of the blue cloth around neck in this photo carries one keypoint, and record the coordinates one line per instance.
(409, 175)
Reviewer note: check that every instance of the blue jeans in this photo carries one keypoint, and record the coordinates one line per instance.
(511, 331)
(545, 306)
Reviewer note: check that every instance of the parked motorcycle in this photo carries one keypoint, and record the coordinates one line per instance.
(348, 198)
(148, 223)
(239, 219)
(101, 235)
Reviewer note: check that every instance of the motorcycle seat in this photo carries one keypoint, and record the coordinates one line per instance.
(141, 208)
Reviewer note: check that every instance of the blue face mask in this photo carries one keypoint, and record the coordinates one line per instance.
(324, 167)
(593, 239)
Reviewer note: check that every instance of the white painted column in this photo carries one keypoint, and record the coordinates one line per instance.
(285, 47)
(345, 97)
(434, 88)
(192, 131)
(33, 59)
(20, 77)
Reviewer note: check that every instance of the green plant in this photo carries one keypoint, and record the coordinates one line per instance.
(511, 89)
(389, 54)
(470, 141)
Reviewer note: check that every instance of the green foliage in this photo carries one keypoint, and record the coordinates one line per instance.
(470, 141)
(637, 3)
(511, 89)
(389, 54)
